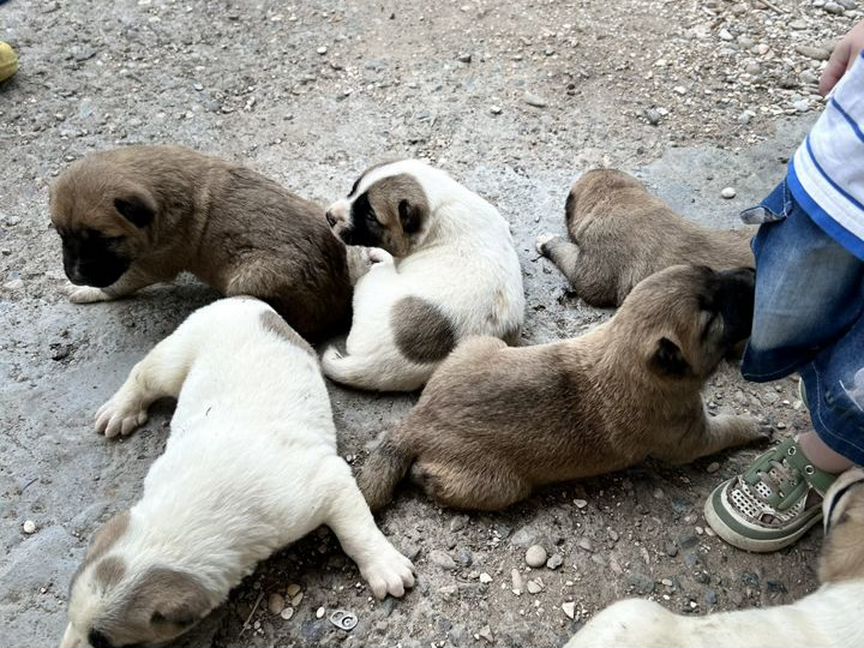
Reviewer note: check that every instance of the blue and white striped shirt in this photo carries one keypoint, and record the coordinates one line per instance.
(826, 176)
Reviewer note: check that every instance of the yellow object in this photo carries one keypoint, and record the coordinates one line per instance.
(8, 61)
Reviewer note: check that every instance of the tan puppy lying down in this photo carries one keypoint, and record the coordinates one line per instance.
(831, 617)
(620, 234)
(494, 423)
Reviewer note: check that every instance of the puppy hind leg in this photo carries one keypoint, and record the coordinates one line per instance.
(375, 373)
(492, 488)
(159, 374)
(385, 569)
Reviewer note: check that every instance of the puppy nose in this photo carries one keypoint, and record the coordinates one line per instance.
(330, 218)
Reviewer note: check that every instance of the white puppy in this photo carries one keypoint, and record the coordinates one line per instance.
(830, 617)
(451, 271)
(250, 466)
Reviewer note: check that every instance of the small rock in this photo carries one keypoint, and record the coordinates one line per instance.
(458, 523)
(15, 284)
(535, 556)
(802, 105)
(276, 603)
(728, 192)
(569, 609)
(725, 35)
(293, 590)
(554, 562)
(816, 53)
(442, 559)
(320, 612)
(485, 578)
(712, 468)
(517, 582)
(671, 549)
(653, 116)
(834, 8)
(711, 598)
(465, 558)
(322, 50)
(681, 90)
(613, 535)
(464, 58)
(486, 633)
(534, 587)
(287, 613)
(297, 599)
(535, 100)
(580, 503)
(641, 583)
(848, 4)
(586, 544)
(495, 110)
(29, 527)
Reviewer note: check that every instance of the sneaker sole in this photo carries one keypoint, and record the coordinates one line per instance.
(754, 545)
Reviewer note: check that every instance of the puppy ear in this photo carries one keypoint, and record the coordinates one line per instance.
(138, 210)
(669, 360)
(410, 216)
(173, 599)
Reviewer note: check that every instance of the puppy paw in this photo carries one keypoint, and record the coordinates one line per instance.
(331, 354)
(542, 241)
(377, 255)
(388, 572)
(87, 295)
(120, 415)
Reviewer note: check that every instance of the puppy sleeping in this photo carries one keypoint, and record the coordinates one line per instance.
(495, 423)
(449, 270)
(620, 234)
(250, 466)
(138, 215)
(830, 617)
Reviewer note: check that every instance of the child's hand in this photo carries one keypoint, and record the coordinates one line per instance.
(842, 58)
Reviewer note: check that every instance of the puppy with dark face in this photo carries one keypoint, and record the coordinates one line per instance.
(140, 215)
(443, 267)
(495, 423)
(620, 234)
(829, 617)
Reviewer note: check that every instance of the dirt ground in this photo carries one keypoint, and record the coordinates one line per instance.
(514, 99)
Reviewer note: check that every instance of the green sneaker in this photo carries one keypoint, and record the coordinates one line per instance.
(772, 504)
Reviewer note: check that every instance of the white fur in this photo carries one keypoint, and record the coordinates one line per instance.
(250, 465)
(464, 262)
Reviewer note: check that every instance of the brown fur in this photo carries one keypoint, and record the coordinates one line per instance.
(104, 538)
(275, 324)
(496, 422)
(621, 234)
(109, 571)
(233, 228)
(842, 556)
(159, 604)
(422, 331)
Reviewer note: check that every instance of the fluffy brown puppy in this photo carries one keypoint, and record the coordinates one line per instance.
(620, 234)
(139, 215)
(496, 422)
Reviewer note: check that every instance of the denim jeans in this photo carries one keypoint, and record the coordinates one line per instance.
(809, 318)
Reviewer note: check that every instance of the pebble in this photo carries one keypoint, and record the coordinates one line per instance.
(486, 633)
(29, 527)
(613, 535)
(464, 58)
(517, 582)
(293, 590)
(495, 110)
(320, 612)
(442, 559)
(535, 556)
(569, 609)
(15, 284)
(287, 613)
(681, 90)
(485, 578)
(641, 583)
(653, 116)
(712, 468)
(725, 35)
(297, 599)
(586, 544)
(834, 8)
(848, 4)
(580, 503)
(802, 105)
(728, 192)
(817, 53)
(322, 50)
(276, 603)
(534, 587)
(458, 523)
(555, 561)
(535, 100)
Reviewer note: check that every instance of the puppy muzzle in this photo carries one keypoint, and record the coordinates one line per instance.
(338, 217)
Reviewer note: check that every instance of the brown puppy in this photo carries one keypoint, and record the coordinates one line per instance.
(621, 234)
(496, 422)
(135, 216)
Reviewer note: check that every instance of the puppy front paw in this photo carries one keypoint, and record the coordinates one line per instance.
(542, 241)
(331, 354)
(87, 295)
(388, 572)
(120, 415)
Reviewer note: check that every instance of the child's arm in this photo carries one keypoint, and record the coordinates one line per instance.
(842, 58)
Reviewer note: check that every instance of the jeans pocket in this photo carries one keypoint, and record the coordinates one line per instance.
(775, 207)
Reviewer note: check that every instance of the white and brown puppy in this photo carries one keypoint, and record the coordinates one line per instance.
(139, 215)
(494, 423)
(250, 466)
(830, 617)
(450, 271)
(620, 234)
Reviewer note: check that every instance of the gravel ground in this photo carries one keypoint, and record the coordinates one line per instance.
(515, 99)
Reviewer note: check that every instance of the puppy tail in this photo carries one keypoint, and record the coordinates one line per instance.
(386, 466)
